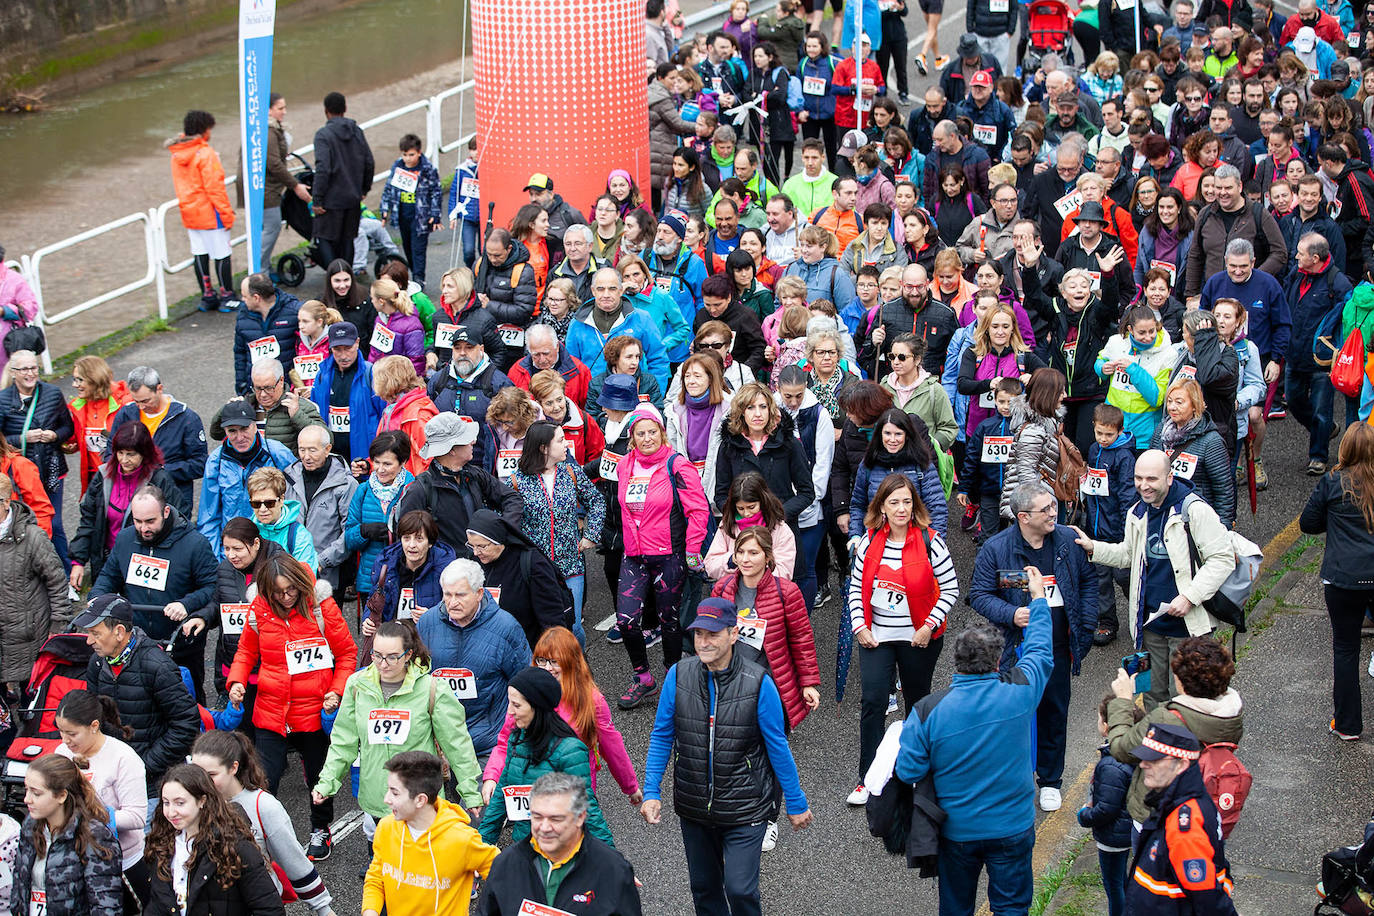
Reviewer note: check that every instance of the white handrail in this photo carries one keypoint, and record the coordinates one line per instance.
(154, 220)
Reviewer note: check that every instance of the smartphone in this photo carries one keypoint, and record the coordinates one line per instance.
(1136, 663)
(1013, 578)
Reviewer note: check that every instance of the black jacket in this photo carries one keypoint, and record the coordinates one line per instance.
(231, 587)
(844, 466)
(279, 322)
(153, 701)
(1213, 477)
(1349, 543)
(1107, 814)
(1089, 328)
(921, 123)
(781, 461)
(749, 342)
(181, 439)
(507, 303)
(452, 498)
(343, 165)
(1044, 190)
(471, 398)
(88, 546)
(1217, 370)
(1355, 199)
(73, 888)
(251, 894)
(1119, 30)
(935, 322)
(908, 819)
(599, 882)
(981, 20)
(51, 413)
(476, 319)
(1183, 813)
(532, 589)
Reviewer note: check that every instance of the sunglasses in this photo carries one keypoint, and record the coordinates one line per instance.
(900, 357)
(263, 503)
(718, 345)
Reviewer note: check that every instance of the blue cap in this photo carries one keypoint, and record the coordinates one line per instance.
(715, 614)
(1168, 740)
(619, 392)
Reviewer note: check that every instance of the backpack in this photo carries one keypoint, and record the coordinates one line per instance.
(795, 100)
(1228, 604)
(1070, 470)
(1227, 780)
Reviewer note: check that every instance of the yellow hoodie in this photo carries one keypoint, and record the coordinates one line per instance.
(405, 873)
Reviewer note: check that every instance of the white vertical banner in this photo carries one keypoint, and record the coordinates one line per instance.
(257, 18)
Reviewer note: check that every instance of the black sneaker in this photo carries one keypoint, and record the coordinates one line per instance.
(321, 845)
(823, 595)
(639, 692)
(1104, 636)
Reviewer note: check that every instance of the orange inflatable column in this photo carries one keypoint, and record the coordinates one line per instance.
(561, 90)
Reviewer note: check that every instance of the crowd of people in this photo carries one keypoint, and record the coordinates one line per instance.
(1052, 313)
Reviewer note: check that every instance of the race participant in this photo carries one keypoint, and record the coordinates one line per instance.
(278, 519)
(1196, 450)
(232, 764)
(98, 397)
(406, 575)
(265, 328)
(758, 436)
(751, 504)
(91, 733)
(425, 852)
(202, 854)
(177, 430)
(728, 788)
(586, 441)
(520, 577)
(901, 445)
(36, 600)
(147, 688)
(1072, 595)
(343, 392)
(244, 545)
(375, 506)
(297, 638)
(478, 646)
(466, 387)
(323, 487)
(581, 868)
(395, 705)
(407, 409)
(35, 419)
(80, 857)
(159, 561)
(541, 742)
(546, 353)
(224, 495)
(280, 413)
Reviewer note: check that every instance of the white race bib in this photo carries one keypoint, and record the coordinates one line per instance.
(405, 181)
(752, 628)
(517, 802)
(96, 440)
(1095, 483)
(264, 348)
(405, 608)
(813, 85)
(998, 6)
(308, 367)
(997, 449)
(512, 335)
(1165, 266)
(986, 134)
(1053, 597)
(889, 594)
(443, 335)
(339, 420)
(388, 726)
(1068, 203)
(988, 399)
(306, 655)
(461, 681)
(38, 903)
(637, 492)
(383, 338)
(664, 282)
(147, 572)
(507, 461)
(1188, 372)
(608, 462)
(468, 188)
(1184, 465)
(1122, 381)
(233, 618)
(860, 102)
(530, 908)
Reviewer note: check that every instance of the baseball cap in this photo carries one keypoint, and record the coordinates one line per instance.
(539, 182)
(238, 413)
(1305, 40)
(461, 334)
(715, 614)
(864, 39)
(113, 608)
(981, 78)
(851, 142)
(343, 334)
(1168, 740)
(444, 431)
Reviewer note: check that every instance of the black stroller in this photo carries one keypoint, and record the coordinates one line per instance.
(296, 213)
(1347, 881)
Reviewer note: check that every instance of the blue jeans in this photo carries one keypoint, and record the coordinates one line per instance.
(59, 533)
(804, 572)
(578, 584)
(468, 229)
(1309, 401)
(1113, 866)
(1010, 884)
(723, 867)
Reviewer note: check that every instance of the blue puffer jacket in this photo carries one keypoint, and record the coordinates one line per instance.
(820, 107)
(250, 326)
(1107, 815)
(224, 492)
(867, 480)
(1074, 575)
(367, 509)
(587, 343)
(428, 591)
(364, 407)
(493, 647)
(1105, 516)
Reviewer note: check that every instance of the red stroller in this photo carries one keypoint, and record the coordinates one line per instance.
(61, 666)
(1050, 27)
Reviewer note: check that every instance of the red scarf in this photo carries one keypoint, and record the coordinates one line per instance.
(1310, 276)
(918, 579)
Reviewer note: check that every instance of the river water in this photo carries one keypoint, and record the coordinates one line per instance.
(351, 48)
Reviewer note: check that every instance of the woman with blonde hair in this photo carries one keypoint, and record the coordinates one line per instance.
(559, 305)
(585, 439)
(98, 396)
(408, 407)
(998, 352)
(398, 332)
(510, 415)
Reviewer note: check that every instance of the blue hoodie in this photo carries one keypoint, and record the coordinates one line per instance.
(979, 476)
(1106, 515)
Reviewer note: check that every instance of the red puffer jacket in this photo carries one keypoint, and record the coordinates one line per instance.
(288, 703)
(788, 643)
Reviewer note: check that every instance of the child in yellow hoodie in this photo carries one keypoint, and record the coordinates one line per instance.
(425, 852)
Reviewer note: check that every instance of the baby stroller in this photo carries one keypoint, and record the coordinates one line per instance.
(1347, 882)
(61, 667)
(296, 213)
(1050, 27)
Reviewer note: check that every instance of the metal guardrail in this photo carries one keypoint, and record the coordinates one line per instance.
(154, 220)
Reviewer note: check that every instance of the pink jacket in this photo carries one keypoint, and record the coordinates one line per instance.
(723, 549)
(16, 294)
(648, 531)
(609, 742)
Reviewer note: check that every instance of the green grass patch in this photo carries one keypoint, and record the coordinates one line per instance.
(1286, 563)
(1056, 876)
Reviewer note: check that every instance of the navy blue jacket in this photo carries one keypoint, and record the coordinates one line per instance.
(1107, 815)
(49, 412)
(867, 480)
(181, 439)
(1073, 574)
(364, 407)
(1105, 516)
(471, 398)
(976, 475)
(250, 326)
(1269, 324)
(428, 592)
(1328, 292)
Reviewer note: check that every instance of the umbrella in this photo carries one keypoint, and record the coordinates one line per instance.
(1250, 469)
(844, 648)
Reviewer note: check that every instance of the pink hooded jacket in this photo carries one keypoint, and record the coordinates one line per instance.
(648, 529)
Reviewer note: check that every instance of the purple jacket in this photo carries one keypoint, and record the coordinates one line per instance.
(409, 340)
(991, 366)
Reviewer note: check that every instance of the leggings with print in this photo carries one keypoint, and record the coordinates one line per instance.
(666, 575)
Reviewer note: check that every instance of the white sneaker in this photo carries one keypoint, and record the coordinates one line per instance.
(891, 703)
(770, 837)
(858, 797)
(1050, 799)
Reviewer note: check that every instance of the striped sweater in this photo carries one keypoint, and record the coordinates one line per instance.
(889, 627)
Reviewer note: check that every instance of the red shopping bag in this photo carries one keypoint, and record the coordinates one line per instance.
(1347, 372)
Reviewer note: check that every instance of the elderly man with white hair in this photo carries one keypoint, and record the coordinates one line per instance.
(543, 351)
(320, 481)
(281, 413)
(476, 648)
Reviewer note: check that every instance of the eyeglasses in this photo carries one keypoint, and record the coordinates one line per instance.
(707, 345)
(480, 548)
(542, 662)
(389, 659)
(24, 369)
(825, 352)
(265, 389)
(263, 503)
(1049, 509)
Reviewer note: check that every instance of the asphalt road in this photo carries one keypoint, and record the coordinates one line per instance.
(835, 867)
